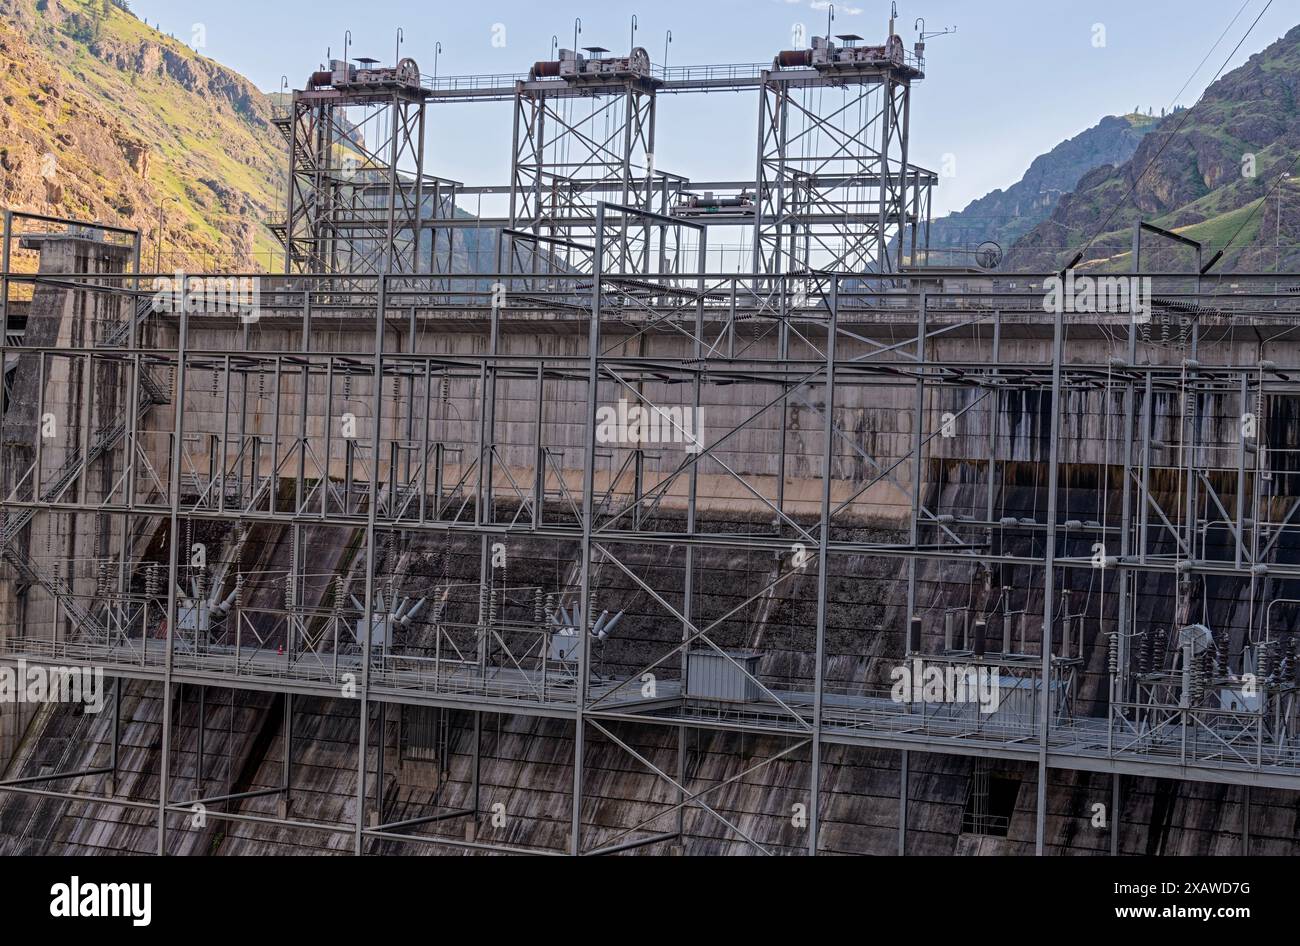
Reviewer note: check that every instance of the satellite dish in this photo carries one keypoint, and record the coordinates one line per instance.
(988, 255)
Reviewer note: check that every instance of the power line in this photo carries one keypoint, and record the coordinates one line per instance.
(1183, 120)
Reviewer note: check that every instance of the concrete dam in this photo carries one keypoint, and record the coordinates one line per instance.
(604, 550)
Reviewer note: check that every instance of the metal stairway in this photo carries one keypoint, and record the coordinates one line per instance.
(302, 159)
(12, 523)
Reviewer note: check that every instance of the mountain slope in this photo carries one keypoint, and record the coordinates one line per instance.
(1197, 181)
(1005, 215)
(104, 118)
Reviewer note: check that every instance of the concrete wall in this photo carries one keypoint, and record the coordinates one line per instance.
(55, 411)
(528, 760)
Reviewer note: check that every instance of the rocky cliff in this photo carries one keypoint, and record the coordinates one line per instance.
(1208, 172)
(1006, 215)
(104, 118)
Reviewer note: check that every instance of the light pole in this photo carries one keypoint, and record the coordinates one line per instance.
(159, 248)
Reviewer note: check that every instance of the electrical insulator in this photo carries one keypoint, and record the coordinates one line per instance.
(347, 386)
(1112, 652)
(550, 608)
(539, 612)
(239, 590)
(261, 385)
(492, 607)
(214, 382)
(482, 603)
(152, 585)
(446, 388)
(591, 610)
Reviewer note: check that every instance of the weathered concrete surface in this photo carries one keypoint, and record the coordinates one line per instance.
(57, 406)
(527, 762)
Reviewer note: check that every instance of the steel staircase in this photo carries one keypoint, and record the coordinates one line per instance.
(13, 522)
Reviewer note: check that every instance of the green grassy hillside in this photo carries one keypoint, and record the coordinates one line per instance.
(1213, 173)
(105, 118)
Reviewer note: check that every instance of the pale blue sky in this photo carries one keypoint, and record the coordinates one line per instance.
(1017, 77)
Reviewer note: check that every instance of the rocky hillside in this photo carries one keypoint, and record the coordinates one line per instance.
(1006, 215)
(104, 118)
(1211, 168)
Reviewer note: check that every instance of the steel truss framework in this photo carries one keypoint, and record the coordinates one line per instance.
(834, 179)
(351, 206)
(415, 475)
(177, 430)
(564, 163)
(832, 185)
